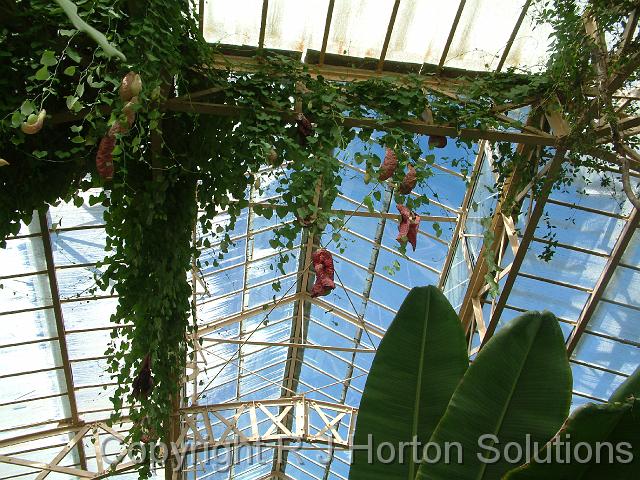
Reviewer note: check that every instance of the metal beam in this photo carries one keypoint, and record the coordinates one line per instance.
(373, 262)
(299, 330)
(358, 322)
(47, 245)
(288, 344)
(603, 281)
(216, 325)
(462, 218)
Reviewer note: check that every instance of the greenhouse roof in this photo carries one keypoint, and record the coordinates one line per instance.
(266, 351)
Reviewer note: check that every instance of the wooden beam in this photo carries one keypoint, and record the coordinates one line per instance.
(201, 15)
(47, 246)
(514, 33)
(525, 241)
(64, 452)
(627, 34)
(325, 35)
(627, 123)
(387, 38)
(603, 281)
(445, 77)
(263, 23)
(477, 280)
(29, 437)
(45, 467)
(452, 32)
(349, 122)
(367, 214)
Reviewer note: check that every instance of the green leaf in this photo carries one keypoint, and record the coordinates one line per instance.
(16, 119)
(73, 55)
(518, 385)
(27, 107)
(421, 359)
(615, 426)
(42, 74)
(282, 211)
(70, 71)
(369, 204)
(48, 58)
(631, 386)
(71, 101)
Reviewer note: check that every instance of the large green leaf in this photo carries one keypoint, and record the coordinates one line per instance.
(603, 442)
(630, 387)
(418, 365)
(519, 384)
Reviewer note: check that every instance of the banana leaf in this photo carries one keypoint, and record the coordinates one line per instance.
(630, 387)
(598, 441)
(519, 385)
(418, 365)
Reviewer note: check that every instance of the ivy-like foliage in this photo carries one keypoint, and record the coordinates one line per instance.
(169, 162)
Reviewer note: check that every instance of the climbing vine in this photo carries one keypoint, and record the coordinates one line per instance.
(64, 108)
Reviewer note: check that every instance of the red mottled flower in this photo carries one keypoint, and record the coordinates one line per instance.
(323, 266)
(104, 157)
(304, 126)
(409, 225)
(388, 165)
(409, 181)
(130, 86)
(143, 383)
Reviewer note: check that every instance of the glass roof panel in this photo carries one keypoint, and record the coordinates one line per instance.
(294, 25)
(473, 47)
(358, 27)
(421, 30)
